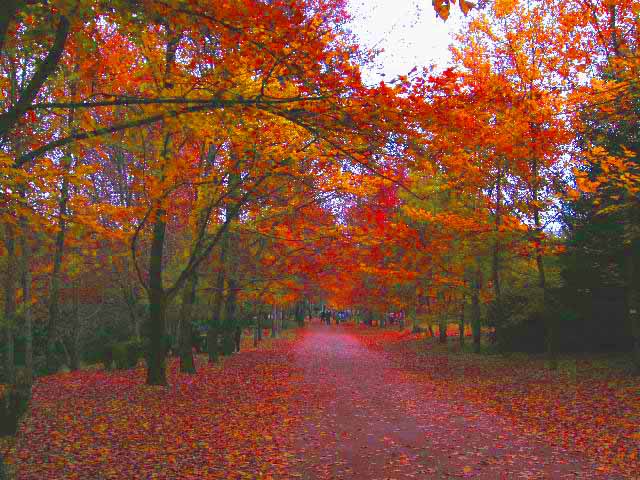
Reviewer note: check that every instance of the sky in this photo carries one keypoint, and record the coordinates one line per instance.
(407, 30)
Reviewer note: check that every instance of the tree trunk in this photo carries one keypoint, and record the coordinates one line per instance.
(548, 317)
(156, 368)
(10, 303)
(495, 263)
(442, 330)
(255, 333)
(475, 309)
(27, 282)
(229, 320)
(442, 322)
(414, 319)
(54, 293)
(461, 325)
(214, 323)
(75, 355)
(274, 322)
(299, 314)
(187, 364)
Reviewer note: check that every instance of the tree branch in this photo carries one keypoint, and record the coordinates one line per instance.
(10, 118)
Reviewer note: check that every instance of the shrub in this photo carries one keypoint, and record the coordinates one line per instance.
(14, 401)
(126, 354)
(106, 356)
(135, 352)
(228, 344)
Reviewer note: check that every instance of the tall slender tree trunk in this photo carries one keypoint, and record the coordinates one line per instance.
(256, 332)
(230, 321)
(187, 364)
(299, 313)
(414, 318)
(274, 322)
(27, 282)
(475, 308)
(54, 292)
(461, 323)
(156, 368)
(442, 330)
(495, 261)
(442, 322)
(10, 303)
(214, 324)
(548, 317)
(55, 281)
(75, 354)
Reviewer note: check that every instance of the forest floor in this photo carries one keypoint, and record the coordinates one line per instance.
(335, 403)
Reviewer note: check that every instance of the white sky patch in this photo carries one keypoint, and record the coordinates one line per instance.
(408, 31)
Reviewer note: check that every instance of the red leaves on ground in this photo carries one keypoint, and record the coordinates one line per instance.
(334, 403)
(225, 422)
(584, 409)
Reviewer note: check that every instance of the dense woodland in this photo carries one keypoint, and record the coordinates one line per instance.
(184, 168)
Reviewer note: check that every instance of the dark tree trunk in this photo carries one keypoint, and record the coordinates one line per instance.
(54, 293)
(256, 333)
(26, 298)
(238, 337)
(10, 303)
(461, 325)
(475, 309)
(187, 364)
(274, 322)
(442, 332)
(549, 319)
(495, 264)
(229, 321)
(300, 314)
(75, 353)
(214, 323)
(156, 368)
(442, 323)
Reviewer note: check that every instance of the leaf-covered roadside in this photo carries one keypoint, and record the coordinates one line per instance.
(227, 422)
(589, 409)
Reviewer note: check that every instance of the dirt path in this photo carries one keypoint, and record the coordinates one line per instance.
(369, 423)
